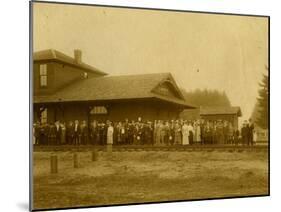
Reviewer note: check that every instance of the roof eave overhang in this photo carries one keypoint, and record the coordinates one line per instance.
(61, 101)
(215, 114)
(180, 103)
(71, 64)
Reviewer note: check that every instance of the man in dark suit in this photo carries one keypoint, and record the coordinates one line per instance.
(50, 130)
(219, 132)
(126, 128)
(69, 133)
(46, 130)
(103, 133)
(225, 132)
(245, 133)
(93, 132)
(145, 133)
(130, 133)
(236, 136)
(84, 132)
(251, 132)
(43, 139)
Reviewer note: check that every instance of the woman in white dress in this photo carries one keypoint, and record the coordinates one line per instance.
(197, 130)
(109, 142)
(185, 134)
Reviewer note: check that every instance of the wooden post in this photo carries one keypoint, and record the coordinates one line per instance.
(54, 164)
(75, 160)
(95, 155)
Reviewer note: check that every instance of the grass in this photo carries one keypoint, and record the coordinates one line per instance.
(136, 177)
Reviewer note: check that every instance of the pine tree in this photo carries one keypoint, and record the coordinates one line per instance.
(262, 120)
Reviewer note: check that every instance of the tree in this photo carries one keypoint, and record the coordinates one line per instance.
(262, 119)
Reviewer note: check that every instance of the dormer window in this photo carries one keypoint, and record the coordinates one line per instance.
(43, 75)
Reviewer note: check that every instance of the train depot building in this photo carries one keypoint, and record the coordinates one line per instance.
(66, 89)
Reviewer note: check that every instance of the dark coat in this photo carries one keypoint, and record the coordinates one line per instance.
(70, 130)
(245, 131)
(84, 130)
(78, 131)
(58, 131)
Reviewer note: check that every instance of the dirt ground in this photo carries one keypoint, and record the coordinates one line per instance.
(136, 177)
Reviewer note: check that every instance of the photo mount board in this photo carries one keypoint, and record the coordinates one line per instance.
(52, 155)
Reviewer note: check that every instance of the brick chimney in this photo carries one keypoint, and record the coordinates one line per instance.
(78, 56)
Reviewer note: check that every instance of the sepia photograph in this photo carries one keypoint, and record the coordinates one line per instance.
(137, 105)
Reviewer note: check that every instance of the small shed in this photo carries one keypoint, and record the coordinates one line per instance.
(229, 114)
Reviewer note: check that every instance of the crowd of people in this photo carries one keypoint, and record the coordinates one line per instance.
(159, 132)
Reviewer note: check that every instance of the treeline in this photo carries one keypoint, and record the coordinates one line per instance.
(260, 112)
(205, 97)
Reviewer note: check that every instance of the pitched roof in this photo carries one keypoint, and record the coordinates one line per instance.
(54, 55)
(220, 110)
(113, 88)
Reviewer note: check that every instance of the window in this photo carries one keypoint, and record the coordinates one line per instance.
(99, 110)
(166, 89)
(43, 118)
(43, 75)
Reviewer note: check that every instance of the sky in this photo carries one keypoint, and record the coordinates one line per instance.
(224, 52)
